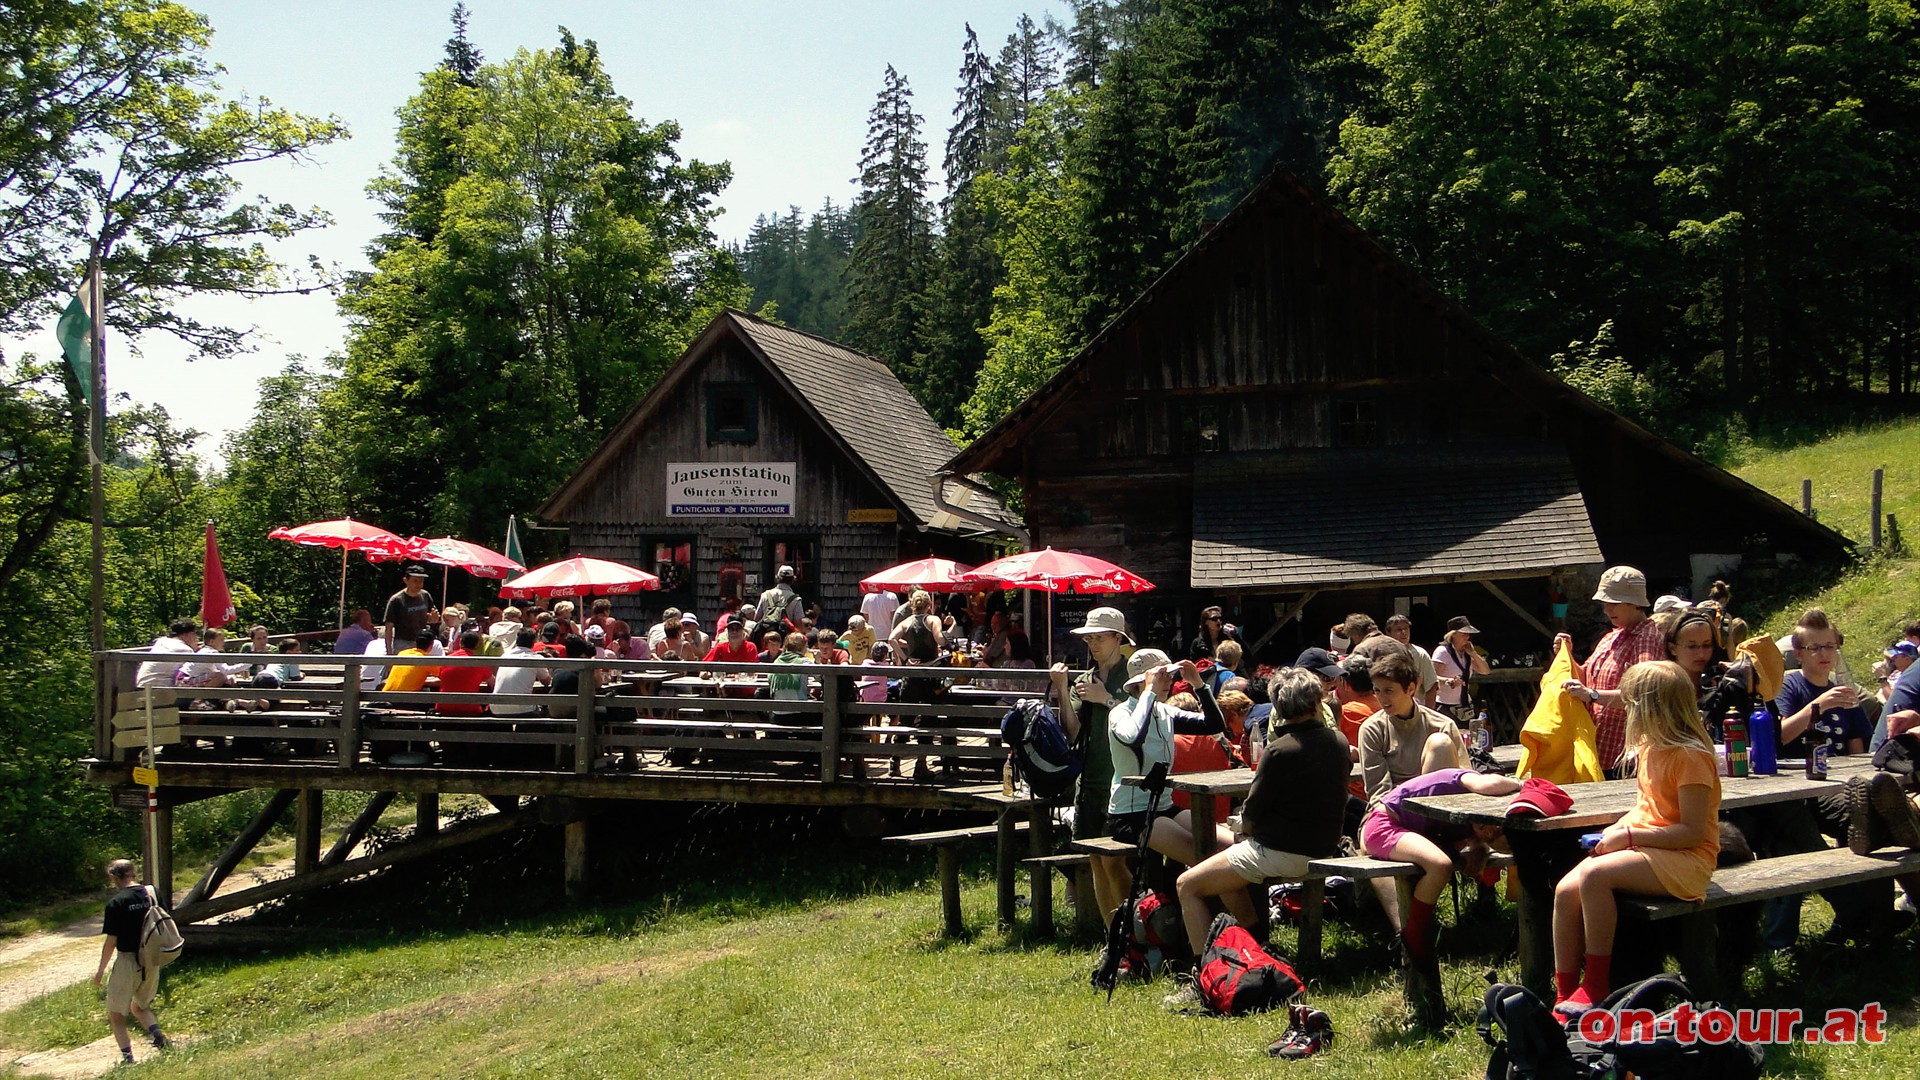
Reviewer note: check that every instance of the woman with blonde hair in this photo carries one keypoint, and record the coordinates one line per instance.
(1665, 846)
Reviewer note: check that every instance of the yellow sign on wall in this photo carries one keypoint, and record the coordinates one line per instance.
(883, 516)
(146, 777)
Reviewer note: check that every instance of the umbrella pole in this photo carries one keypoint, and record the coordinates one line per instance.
(444, 571)
(1049, 627)
(343, 590)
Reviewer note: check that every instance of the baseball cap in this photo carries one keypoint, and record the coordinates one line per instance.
(415, 571)
(595, 633)
(1540, 798)
(1903, 648)
(689, 619)
(1320, 662)
(1142, 663)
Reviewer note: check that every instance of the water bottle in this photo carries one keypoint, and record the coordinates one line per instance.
(1736, 730)
(1006, 776)
(1480, 732)
(1763, 738)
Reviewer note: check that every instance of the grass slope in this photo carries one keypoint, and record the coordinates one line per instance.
(1876, 598)
(825, 985)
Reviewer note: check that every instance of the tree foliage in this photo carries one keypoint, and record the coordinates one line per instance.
(887, 272)
(548, 257)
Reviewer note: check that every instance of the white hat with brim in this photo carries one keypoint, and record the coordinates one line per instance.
(1106, 620)
(1668, 602)
(1622, 585)
(1142, 663)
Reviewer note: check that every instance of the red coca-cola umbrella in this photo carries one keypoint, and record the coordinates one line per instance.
(347, 535)
(1051, 571)
(580, 576)
(933, 575)
(447, 553)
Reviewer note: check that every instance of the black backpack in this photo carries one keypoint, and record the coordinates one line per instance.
(1041, 753)
(1532, 1044)
(1663, 1056)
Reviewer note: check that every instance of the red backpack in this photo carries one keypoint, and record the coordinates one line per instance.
(1237, 976)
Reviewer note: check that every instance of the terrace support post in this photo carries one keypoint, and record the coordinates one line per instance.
(159, 854)
(426, 813)
(1879, 476)
(949, 863)
(349, 746)
(586, 731)
(1806, 497)
(1007, 866)
(577, 854)
(306, 832)
(830, 729)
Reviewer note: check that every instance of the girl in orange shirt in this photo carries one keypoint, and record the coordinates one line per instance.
(1665, 846)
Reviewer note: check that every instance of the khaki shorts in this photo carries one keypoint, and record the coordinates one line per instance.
(1257, 862)
(125, 987)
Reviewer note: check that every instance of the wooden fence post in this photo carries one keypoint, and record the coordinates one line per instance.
(586, 731)
(349, 747)
(1879, 475)
(1806, 497)
(830, 728)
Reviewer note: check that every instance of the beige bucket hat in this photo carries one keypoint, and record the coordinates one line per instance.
(1106, 620)
(1622, 585)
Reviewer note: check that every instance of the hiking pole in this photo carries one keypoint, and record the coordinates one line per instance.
(1120, 928)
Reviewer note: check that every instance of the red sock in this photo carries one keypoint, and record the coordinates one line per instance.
(1419, 930)
(1598, 982)
(1564, 984)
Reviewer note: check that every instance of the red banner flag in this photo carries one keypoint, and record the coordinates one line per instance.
(216, 603)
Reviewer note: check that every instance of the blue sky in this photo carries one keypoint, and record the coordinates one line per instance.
(780, 90)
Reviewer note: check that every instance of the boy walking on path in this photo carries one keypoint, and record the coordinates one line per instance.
(132, 986)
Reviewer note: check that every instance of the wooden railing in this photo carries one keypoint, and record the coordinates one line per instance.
(331, 726)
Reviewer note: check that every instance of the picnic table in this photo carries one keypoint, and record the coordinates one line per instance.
(1539, 844)
(1235, 783)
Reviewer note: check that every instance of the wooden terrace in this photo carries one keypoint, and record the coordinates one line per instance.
(680, 731)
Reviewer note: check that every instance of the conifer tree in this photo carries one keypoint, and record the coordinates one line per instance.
(887, 273)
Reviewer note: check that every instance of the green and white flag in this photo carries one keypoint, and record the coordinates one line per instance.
(75, 331)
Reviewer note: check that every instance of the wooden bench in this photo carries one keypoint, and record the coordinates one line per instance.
(1078, 866)
(1751, 882)
(946, 844)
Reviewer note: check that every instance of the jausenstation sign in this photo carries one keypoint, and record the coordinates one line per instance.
(747, 489)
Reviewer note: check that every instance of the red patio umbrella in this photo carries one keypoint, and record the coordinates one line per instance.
(1053, 571)
(933, 575)
(216, 600)
(447, 552)
(580, 576)
(347, 535)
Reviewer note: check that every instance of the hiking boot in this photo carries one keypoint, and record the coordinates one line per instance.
(159, 1041)
(1186, 997)
(1309, 1032)
(1895, 812)
(1861, 827)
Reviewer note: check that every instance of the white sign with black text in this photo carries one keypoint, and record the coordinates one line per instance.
(745, 489)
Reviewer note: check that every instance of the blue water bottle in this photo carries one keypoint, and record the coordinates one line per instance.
(1763, 738)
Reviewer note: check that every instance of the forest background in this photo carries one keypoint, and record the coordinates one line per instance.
(1703, 212)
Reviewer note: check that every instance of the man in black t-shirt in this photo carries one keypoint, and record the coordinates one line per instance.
(132, 985)
(409, 611)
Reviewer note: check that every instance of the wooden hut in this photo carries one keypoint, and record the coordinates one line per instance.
(764, 446)
(1292, 423)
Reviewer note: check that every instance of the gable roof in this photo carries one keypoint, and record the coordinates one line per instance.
(1264, 520)
(855, 399)
(1503, 362)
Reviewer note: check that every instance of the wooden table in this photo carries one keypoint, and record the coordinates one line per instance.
(1008, 811)
(1595, 806)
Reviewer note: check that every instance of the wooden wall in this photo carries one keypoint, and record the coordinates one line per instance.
(623, 512)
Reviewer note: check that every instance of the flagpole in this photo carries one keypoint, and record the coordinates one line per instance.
(96, 434)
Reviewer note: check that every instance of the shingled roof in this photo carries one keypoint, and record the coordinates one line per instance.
(859, 404)
(1476, 510)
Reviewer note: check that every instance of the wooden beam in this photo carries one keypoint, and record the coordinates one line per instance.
(1287, 616)
(465, 833)
(830, 729)
(306, 831)
(357, 831)
(248, 839)
(426, 813)
(578, 851)
(1500, 595)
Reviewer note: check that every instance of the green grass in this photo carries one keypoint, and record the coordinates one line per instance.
(1872, 601)
(696, 983)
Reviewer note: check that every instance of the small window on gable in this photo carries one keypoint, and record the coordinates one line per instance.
(733, 413)
(1200, 430)
(1354, 424)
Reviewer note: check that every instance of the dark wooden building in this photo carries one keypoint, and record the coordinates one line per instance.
(1291, 422)
(765, 446)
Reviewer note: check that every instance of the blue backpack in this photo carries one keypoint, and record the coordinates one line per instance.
(1042, 754)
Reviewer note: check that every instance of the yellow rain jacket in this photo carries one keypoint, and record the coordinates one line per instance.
(1557, 742)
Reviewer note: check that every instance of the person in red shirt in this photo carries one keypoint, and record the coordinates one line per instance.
(735, 649)
(465, 679)
(1354, 691)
